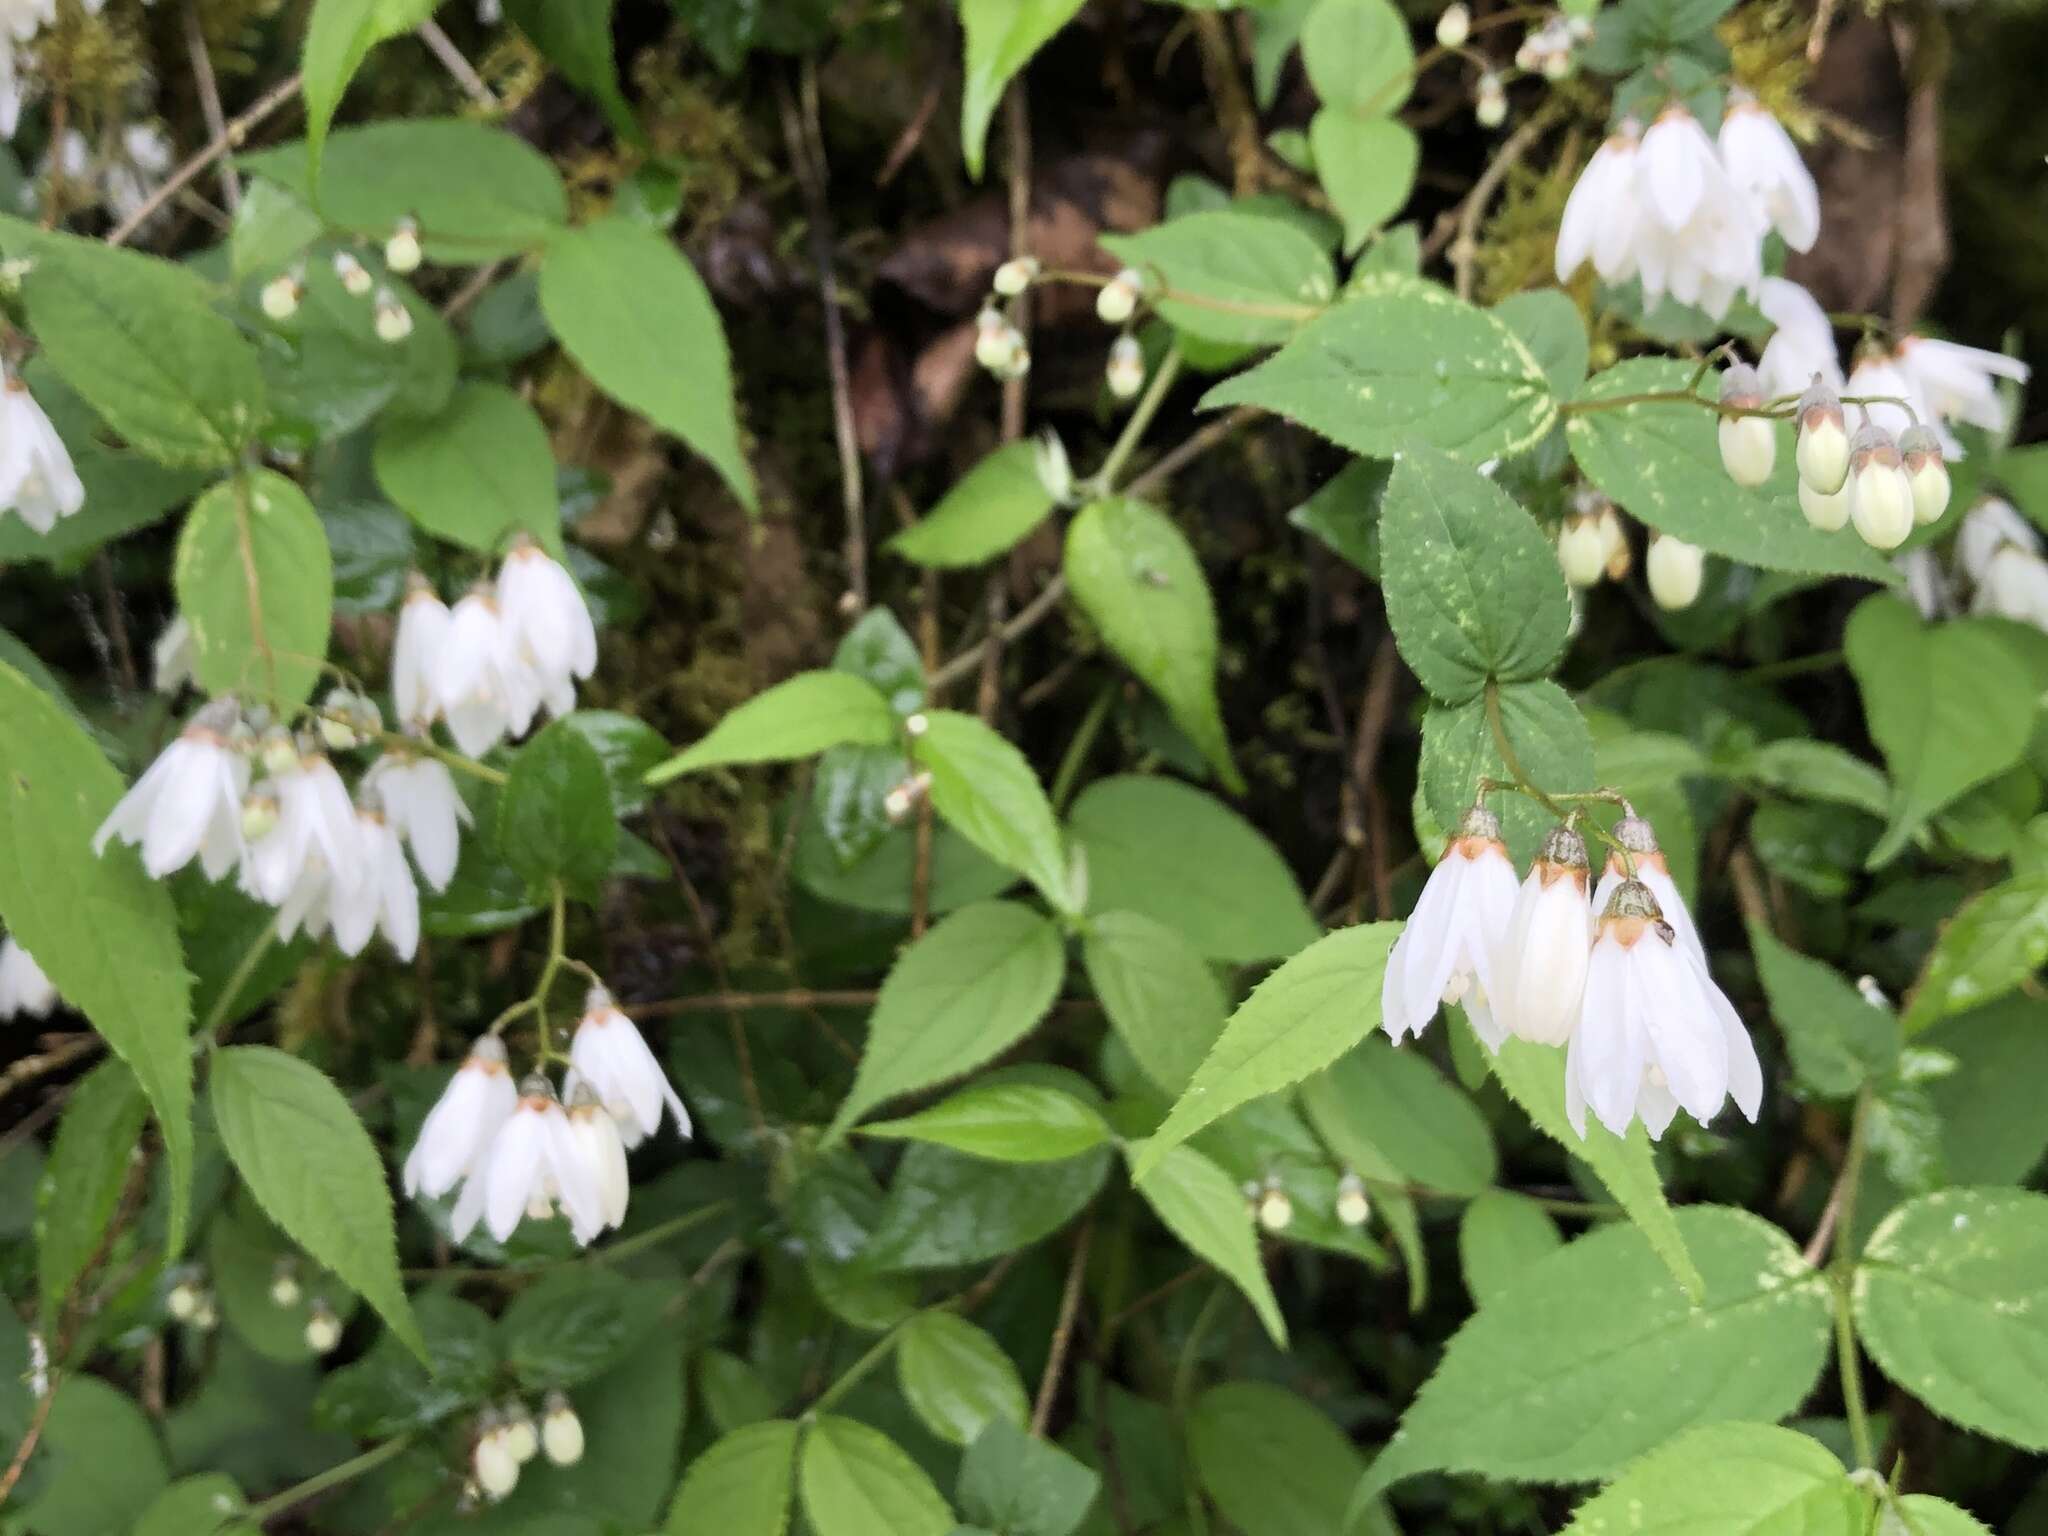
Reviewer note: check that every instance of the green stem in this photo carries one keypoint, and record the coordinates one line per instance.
(1084, 738)
(1184, 1391)
(1798, 666)
(245, 968)
(851, 1376)
(1842, 1275)
(1104, 480)
(1850, 1369)
(425, 748)
(558, 923)
(255, 1516)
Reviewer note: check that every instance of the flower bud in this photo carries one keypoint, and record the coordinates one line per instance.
(402, 250)
(277, 751)
(1352, 1205)
(1582, 549)
(1826, 510)
(1276, 1210)
(1926, 472)
(183, 1301)
(1118, 300)
(206, 1315)
(355, 277)
(1126, 371)
(994, 345)
(1749, 444)
(1490, 104)
(281, 295)
(323, 1329)
(259, 820)
(521, 1438)
(1614, 540)
(989, 319)
(1055, 470)
(1019, 363)
(1675, 569)
(1880, 496)
(1453, 26)
(339, 715)
(497, 1472)
(561, 1432)
(1823, 450)
(916, 725)
(1015, 275)
(393, 320)
(284, 1280)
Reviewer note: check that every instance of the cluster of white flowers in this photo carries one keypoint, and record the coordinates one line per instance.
(523, 1151)
(124, 176)
(389, 317)
(24, 989)
(1616, 975)
(1997, 566)
(1687, 214)
(507, 1439)
(1000, 347)
(37, 480)
(20, 21)
(506, 650)
(1592, 546)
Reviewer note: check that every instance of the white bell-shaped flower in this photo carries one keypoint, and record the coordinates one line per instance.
(1676, 571)
(1990, 525)
(1655, 1034)
(1960, 383)
(1877, 378)
(37, 480)
(1698, 240)
(1540, 968)
(534, 1167)
(1926, 584)
(1765, 166)
(477, 1102)
(1823, 446)
(603, 1148)
(1601, 215)
(189, 801)
(2014, 586)
(1926, 472)
(561, 1432)
(24, 989)
(423, 623)
(485, 691)
(424, 808)
(316, 842)
(612, 1058)
(1749, 444)
(546, 620)
(1640, 839)
(1445, 951)
(1880, 496)
(1803, 343)
(173, 657)
(385, 899)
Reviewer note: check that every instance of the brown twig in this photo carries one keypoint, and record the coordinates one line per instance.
(460, 70)
(792, 997)
(913, 131)
(472, 289)
(1026, 619)
(209, 102)
(1062, 1335)
(1234, 110)
(116, 621)
(1465, 247)
(36, 1425)
(225, 142)
(1190, 448)
(55, 1059)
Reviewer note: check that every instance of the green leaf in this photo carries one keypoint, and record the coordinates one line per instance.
(1395, 1102)
(1596, 1355)
(1473, 587)
(988, 511)
(1170, 852)
(632, 1426)
(106, 1464)
(272, 226)
(1951, 1300)
(1274, 1464)
(478, 193)
(1359, 56)
(1533, 1077)
(1994, 943)
(956, 1378)
(741, 1486)
(328, 372)
(196, 1505)
(1229, 276)
(1014, 1483)
(629, 750)
(103, 932)
(1925, 1515)
(1297, 1021)
(1818, 770)
(1001, 37)
(1203, 1207)
(1501, 1235)
(578, 1323)
(1730, 1480)
(1161, 997)
(1008, 1122)
(986, 791)
(391, 1391)
(555, 818)
(1345, 512)
(1400, 359)
(478, 471)
(576, 37)
(314, 1170)
(1551, 742)
(1661, 461)
(139, 339)
(339, 36)
(82, 1182)
(856, 1481)
(946, 1209)
(796, 718)
(1550, 327)
(1838, 1039)
(636, 317)
(961, 995)
(255, 580)
(243, 1255)
(1366, 165)
(1949, 705)
(733, 1392)
(1135, 576)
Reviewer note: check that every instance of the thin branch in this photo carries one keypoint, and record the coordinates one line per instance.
(29, 1068)
(1062, 1335)
(1465, 248)
(1026, 619)
(793, 997)
(209, 102)
(228, 140)
(459, 68)
(472, 289)
(1190, 448)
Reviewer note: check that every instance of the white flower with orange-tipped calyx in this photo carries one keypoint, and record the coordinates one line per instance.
(1445, 953)
(424, 808)
(1640, 839)
(478, 1100)
(1540, 967)
(1765, 166)
(1927, 473)
(1880, 495)
(535, 1166)
(1822, 452)
(38, 482)
(610, 1055)
(1749, 444)
(1959, 383)
(188, 802)
(1803, 344)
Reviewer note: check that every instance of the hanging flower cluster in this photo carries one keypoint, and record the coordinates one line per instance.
(37, 480)
(524, 1151)
(507, 1439)
(1996, 566)
(1616, 975)
(1592, 546)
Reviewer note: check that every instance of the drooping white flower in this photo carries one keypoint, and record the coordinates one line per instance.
(1453, 25)
(384, 899)
(315, 845)
(1640, 839)
(1697, 240)
(546, 621)
(1445, 952)
(1601, 215)
(423, 623)
(1960, 383)
(1925, 583)
(1880, 496)
(131, 176)
(1117, 300)
(1354, 1205)
(189, 801)
(1676, 571)
(561, 1432)
(1765, 167)
(2014, 586)
(1655, 1034)
(1878, 378)
(37, 480)
(1991, 525)
(485, 692)
(424, 808)
(477, 1102)
(1822, 452)
(391, 320)
(24, 989)
(1490, 100)
(1540, 968)
(534, 1166)
(612, 1058)
(1015, 275)
(1749, 444)
(1803, 343)
(172, 657)
(603, 1148)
